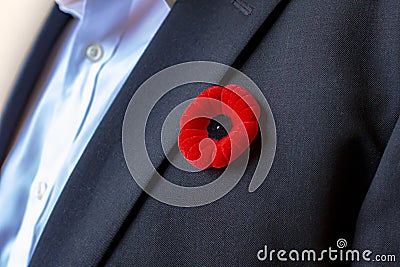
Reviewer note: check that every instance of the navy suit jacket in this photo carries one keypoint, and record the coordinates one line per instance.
(331, 73)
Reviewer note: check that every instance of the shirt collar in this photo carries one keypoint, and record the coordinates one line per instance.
(76, 7)
(73, 7)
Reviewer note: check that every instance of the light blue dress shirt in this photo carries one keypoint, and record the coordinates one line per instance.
(97, 52)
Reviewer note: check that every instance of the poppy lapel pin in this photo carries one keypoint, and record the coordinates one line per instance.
(218, 126)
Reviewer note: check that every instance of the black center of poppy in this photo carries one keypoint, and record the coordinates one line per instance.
(215, 129)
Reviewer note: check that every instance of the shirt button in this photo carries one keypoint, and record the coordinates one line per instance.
(41, 190)
(94, 52)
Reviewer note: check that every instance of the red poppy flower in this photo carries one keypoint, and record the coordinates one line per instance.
(218, 126)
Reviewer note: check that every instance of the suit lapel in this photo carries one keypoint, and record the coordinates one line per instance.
(101, 198)
(28, 78)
